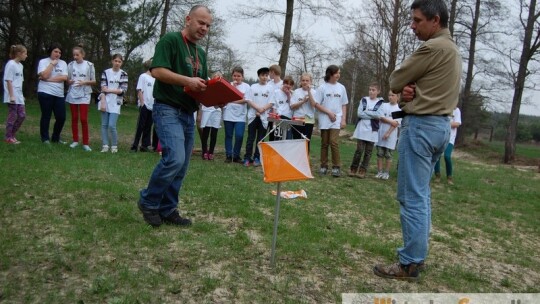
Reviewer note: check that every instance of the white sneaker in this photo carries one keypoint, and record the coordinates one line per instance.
(86, 148)
(379, 174)
(385, 176)
(114, 149)
(74, 144)
(104, 149)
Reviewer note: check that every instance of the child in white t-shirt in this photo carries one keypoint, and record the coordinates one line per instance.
(302, 105)
(274, 72)
(210, 124)
(331, 103)
(234, 119)
(388, 136)
(366, 132)
(13, 94)
(281, 107)
(258, 100)
(81, 78)
(145, 89)
(114, 84)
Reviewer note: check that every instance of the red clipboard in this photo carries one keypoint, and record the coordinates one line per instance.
(218, 92)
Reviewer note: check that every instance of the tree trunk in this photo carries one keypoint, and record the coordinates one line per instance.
(166, 9)
(462, 130)
(510, 142)
(284, 54)
(452, 19)
(394, 45)
(14, 18)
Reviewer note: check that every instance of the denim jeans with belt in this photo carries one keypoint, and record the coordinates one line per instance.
(175, 128)
(421, 143)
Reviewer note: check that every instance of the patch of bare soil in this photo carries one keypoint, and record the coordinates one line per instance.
(521, 165)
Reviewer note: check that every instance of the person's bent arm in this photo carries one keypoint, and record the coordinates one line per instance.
(165, 75)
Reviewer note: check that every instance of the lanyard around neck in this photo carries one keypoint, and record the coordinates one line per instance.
(195, 67)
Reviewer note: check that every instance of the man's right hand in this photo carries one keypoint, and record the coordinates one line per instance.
(197, 84)
(408, 93)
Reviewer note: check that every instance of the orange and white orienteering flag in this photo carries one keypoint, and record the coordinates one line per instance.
(285, 160)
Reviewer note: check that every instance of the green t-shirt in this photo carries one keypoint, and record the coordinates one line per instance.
(172, 53)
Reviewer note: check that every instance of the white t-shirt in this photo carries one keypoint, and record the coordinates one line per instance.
(146, 85)
(333, 97)
(210, 117)
(363, 130)
(281, 104)
(13, 71)
(52, 88)
(237, 112)
(80, 71)
(114, 80)
(305, 110)
(391, 141)
(261, 96)
(456, 117)
(276, 85)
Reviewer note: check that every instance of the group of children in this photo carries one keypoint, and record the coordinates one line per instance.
(79, 76)
(270, 95)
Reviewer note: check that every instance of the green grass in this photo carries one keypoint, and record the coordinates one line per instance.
(71, 232)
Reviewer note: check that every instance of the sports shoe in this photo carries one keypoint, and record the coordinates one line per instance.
(74, 144)
(47, 142)
(323, 171)
(104, 149)
(246, 162)
(385, 176)
(237, 160)
(205, 156)
(145, 149)
(449, 180)
(175, 219)
(437, 178)
(228, 159)
(352, 172)
(336, 172)
(12, 141)
(256, 162)
(114, 149)
(210, 156)
(150, 216)
(60, 142)
(398, 271)
(86, 148)
(379, 174)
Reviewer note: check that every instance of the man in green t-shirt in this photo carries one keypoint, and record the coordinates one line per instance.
(178, 62)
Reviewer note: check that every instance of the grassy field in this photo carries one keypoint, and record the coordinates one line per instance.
(71, 231)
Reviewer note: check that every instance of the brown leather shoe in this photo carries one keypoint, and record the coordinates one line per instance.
(361, 173)
(398, 271)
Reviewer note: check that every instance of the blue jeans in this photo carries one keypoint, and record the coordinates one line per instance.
(447, 161)
(176, 130)
(236, 128)
(422, 141)
(108, 123)
(50, 104)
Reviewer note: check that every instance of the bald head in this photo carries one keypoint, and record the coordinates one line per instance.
(198, 22)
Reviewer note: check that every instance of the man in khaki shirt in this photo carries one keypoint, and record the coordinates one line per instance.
(429, 82)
